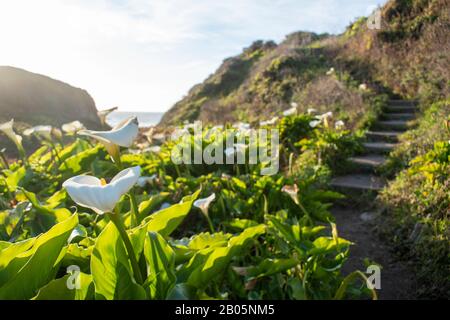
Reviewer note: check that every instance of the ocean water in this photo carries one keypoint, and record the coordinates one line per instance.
(146, 119)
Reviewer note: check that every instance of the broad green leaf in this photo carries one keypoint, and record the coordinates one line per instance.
(160, 266)
(10, 252)
(206, 240)
(82, 161)
(167, 220)
(208, 263)
(111, 269)
(241, 224)
(31, 269)
(328, 244)
(14, 178)
(57, 198)
(149, 205)
(59, 289)
(77, 255)
(268, 267)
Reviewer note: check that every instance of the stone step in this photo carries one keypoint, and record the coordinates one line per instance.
(398, 116)
(379, 147)
(395, 102)
(367, 163)
(399, 109)
(359, 182)
(387, 136)
(391, 125)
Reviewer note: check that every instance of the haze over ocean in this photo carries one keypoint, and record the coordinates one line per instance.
(146, 119)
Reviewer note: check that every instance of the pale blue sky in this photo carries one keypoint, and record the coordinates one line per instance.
(144, 55)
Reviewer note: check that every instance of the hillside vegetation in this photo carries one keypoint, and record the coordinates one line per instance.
(408, 57)
(351, 75)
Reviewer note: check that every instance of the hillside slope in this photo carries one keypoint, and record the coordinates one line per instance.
(37, 99)
(408, 57)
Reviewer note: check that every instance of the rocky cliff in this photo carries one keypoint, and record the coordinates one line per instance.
(37, 99)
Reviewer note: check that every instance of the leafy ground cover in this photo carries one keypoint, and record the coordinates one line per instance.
(176, 231)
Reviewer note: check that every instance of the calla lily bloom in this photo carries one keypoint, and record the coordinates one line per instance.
(330, 72)
(73, 127)
(8, 129)
(44, 132)
(237, 148)
(154, 149)
(339, 124)
(93, 193)
(142, 181)
(102, 114)
(311, 111)
(269, 122)
(363, 87)
(121, 135)
(290, 112)
(242, 126)
(324, 117)
(292, 191)
(203, 205)
(314, 123)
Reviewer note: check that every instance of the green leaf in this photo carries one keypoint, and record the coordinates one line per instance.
(111, 269)
(328, 244)
(14, 178)
(81, 162)
(241, 224)
(58, 289)
(147, 206)
(29, 270)
(207, 264)
(160, 266)
(167, 220)
(268, 267)
(206, 240)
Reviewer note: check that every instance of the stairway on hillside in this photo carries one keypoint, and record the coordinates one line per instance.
(357, 224)
(381, 139)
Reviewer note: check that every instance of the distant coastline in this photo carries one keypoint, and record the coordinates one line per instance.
(146, 119)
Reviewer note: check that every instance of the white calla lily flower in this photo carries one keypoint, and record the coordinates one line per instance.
(290, 112)
(294, 105)
(330, 72)
(229, 151)
(292, 191)
(91, 192)
(242, 126)
(237, 148)
(203, 204)
(311, 111)
(153, 149)
(143, 181)
(314, 123)
(269, 122)
(40, 131)
(73, 127)
(8, 129)
(339, 124)
(121, 135)
(325, 117)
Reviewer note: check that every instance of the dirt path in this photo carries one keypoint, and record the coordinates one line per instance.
(397, 279)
